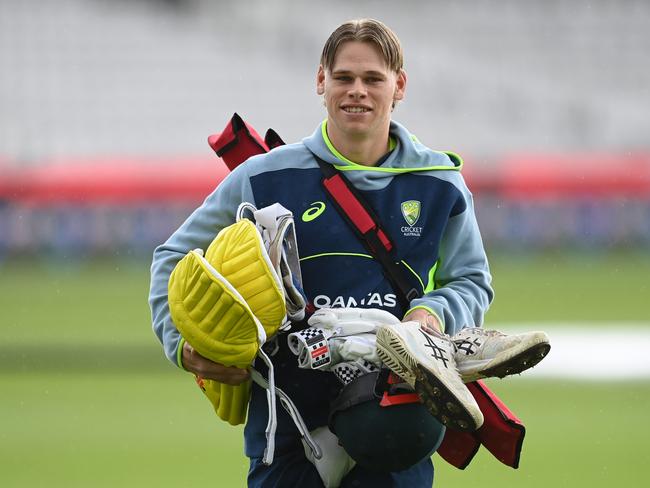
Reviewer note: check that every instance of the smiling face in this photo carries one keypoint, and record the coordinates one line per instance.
(359, 90)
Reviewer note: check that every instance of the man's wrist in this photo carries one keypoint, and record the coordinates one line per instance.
(428, 321)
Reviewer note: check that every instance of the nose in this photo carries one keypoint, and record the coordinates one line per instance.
(358, 88)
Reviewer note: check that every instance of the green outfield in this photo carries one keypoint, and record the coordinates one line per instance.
(89, 400)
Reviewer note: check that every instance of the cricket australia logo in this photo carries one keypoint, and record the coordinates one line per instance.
(411, 213)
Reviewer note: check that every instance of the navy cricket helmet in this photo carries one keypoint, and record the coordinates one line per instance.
(382, 425)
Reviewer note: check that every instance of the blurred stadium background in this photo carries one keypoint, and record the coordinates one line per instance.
(105, 109)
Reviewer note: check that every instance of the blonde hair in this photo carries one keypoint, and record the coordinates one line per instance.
(365, 30)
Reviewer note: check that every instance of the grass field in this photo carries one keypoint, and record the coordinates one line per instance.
(89, 400)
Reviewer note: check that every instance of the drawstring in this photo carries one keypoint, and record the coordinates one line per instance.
(290, 408)
(272, 423)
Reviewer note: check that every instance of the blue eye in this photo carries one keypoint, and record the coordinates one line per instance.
(374, 80)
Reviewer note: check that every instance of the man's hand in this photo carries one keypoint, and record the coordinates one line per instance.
(429, 323)
(206, 369)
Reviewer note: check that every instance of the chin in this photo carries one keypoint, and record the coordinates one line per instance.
(356, 126)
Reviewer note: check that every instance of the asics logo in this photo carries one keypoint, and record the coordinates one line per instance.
(313, 212)
(468, 346)
(436, 351)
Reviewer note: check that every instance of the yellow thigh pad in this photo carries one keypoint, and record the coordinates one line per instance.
(218, 302)
(230, 402)
(238, 253)
(210, 313)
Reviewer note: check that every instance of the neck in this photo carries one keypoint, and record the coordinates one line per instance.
(364, 150)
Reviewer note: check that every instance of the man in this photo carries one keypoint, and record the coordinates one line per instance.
(424, 205)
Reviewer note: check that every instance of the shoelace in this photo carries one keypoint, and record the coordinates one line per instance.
(488, 332)
(460, 341)
(482, 332)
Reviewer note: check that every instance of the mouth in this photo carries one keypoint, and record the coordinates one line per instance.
(355, 109)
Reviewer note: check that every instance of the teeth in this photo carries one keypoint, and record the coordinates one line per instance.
(355, 110)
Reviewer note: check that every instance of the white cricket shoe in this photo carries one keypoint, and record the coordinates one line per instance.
(484, 353)
(426, 362)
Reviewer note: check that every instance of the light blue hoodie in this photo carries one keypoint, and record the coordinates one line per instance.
(424, 205)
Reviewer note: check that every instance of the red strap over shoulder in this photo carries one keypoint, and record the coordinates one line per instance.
(354, 209)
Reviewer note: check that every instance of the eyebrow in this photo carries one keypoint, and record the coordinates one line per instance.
(365, 73)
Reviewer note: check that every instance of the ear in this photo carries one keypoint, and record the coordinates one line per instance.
(400, 85)
(320, 80)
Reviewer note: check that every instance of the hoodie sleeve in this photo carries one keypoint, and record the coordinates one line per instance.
(462, 289)
(198, 231)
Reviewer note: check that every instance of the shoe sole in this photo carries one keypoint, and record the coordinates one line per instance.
(518, 363)
(435, 395)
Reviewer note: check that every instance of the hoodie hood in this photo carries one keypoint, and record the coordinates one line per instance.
(408, 155)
